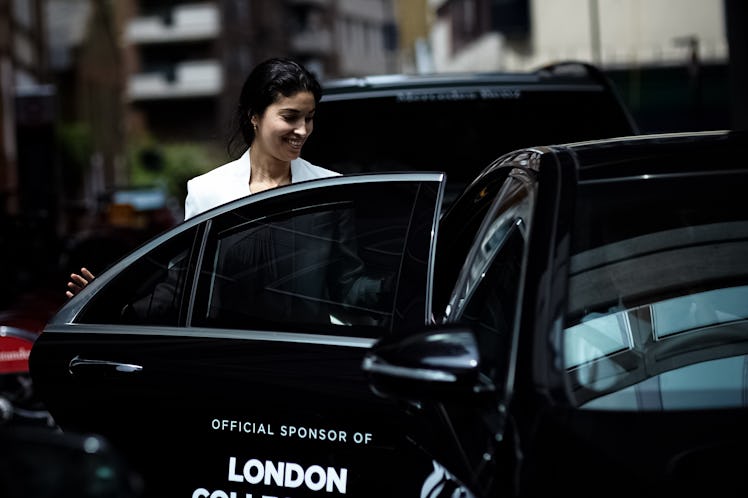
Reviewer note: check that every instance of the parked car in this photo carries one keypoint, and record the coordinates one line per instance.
(594, 343)
(460, 122)
(577, 319)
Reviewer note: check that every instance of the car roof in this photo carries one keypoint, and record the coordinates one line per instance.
(564, 74)
(626, 157)
(664, 153)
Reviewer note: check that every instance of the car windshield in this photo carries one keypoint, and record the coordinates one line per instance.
(656, 317)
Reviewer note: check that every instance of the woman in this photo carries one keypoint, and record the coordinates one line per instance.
(274, 118)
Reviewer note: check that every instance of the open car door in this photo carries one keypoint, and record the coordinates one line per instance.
(224, 355)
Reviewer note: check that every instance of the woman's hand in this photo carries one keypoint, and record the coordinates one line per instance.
(78, 282)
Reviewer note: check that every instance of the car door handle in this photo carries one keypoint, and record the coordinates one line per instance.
(78, 366)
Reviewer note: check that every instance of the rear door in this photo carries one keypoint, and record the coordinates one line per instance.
(224, 357)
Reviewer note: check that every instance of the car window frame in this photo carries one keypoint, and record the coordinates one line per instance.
(511, 212)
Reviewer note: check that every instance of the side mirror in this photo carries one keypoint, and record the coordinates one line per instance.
(44, 462)
(438, 364)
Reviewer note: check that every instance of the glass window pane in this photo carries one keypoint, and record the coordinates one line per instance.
(313, 269)
(492, 308)
(657, 292)
(148, 292)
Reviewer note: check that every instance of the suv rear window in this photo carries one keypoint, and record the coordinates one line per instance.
(458, 124)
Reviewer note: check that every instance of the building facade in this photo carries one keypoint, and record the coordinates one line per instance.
(187, 60)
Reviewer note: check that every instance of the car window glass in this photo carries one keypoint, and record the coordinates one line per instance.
(491, 280)
(149, 291)
(319, 268)
(602, 344)
(433, 115)
(491, 309)
(655, 317)
(601, 335)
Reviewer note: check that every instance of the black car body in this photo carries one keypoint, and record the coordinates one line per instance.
(601, 324)
(576, 319)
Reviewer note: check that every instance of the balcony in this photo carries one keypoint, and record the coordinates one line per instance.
(186, 80)
(186, 22)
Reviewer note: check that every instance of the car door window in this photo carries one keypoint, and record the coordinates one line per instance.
(492, 308)
(655, 317)
(489, 288)
(150, 291)
(334, 262)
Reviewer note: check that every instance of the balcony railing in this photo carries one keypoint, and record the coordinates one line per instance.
(182, 23)
(185, 80)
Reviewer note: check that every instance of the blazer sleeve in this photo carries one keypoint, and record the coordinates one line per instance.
(192, 201)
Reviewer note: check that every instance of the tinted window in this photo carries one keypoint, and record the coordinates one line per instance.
(487, 299)
(492, 308)
(457, 130)
(148, 292)
(656, 315)
(491, 282)
(319, 268)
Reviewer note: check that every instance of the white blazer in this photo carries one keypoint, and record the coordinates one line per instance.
(231, 181)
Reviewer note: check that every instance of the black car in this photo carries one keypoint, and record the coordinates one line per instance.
(577, 320)
(460, 122)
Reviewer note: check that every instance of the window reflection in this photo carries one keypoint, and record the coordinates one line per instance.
(679, 353)
(297, 267)
(673, 316)
(713, 384)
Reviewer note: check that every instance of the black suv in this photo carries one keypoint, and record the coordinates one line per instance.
(459, 123)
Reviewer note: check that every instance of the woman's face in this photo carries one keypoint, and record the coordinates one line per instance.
(284, 127)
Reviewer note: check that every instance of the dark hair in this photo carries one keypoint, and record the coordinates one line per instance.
(264, 86)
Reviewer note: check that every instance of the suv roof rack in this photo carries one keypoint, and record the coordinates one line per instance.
(560, 70)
